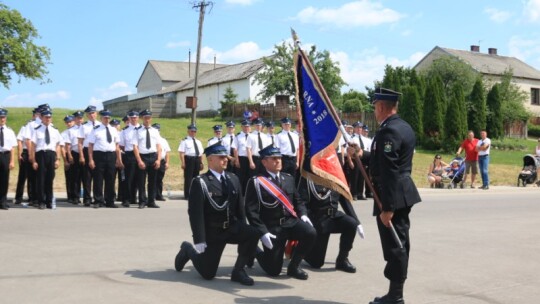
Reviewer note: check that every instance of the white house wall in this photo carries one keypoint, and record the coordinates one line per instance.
(150, 81)
(209, 97)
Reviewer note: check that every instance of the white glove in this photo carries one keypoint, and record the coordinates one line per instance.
(360, 231)
(266, 240)
(200, 247)
(306, 219)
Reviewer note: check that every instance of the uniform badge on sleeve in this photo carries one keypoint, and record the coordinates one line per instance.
(388, 146)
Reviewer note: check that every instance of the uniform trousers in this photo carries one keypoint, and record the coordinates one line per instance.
(45, 176)
(5, 157)
(121, 177)
(239, 233)
(86, 177)
(271, 260)
(326, 225)
(358, 187)
(259, 168)
(193, 166)
(243, 171)
(397, 260)
(130, 183)
(26, 175)
(159, 179)
(150, 172)
(105, 171)
(74, 182)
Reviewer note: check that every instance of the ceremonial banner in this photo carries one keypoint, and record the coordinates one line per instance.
(319, 124)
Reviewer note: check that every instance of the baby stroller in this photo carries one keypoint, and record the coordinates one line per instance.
(455, 173)
(528, 174)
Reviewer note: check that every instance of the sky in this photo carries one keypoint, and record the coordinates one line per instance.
(99, 48)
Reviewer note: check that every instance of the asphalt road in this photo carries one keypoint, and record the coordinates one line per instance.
(468, 246)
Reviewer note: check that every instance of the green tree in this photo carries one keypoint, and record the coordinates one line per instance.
(476, 110)
(433, 114)
(354, 101)
(229, 98)
(409, 110)
(513, 99)
(494, 126)
(18, 53)
(455, 119)
(278, 77)
(452, 70)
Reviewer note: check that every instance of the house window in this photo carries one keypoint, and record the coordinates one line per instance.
(535, 96)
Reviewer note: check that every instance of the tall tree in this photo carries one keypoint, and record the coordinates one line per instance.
(18, 53)
(353, 101)
(513, 99)
(455, 119)
(433, 113)
(476, 110)
(494, 126)
(277, 78)
(410, 110)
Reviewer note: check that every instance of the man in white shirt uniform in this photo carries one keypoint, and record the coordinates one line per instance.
(86, 173)
(25, 167)
(242, 161)
(230, 143)
(191, 151)
(147, 150)
(8, 141)
(288, 143)
(67, 157)
(128, 159)
(218, 131)
(46, 145)
(165, 156)
(256, 142)
(104, 158)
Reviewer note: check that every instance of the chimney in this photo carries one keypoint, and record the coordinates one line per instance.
(492, 51)
(475, 48)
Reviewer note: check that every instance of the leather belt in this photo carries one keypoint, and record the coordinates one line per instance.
(223, 225)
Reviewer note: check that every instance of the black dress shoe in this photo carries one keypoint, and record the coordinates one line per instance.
(182, 257)
(361, 197)
(387, 300)
(4, 206)
(111, 206)
(161, 199)
(345, 265)
(87, 203)
(297, 272)
(125, 204)
(18, 202)
(369, 195)
(153, 206)
(141, 206)
(95, 206)
(42, 206)
(240, 276)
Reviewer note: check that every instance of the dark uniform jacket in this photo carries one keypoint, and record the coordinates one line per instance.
(208, 219)
(392, 151)
(269, 214)
(324, 206)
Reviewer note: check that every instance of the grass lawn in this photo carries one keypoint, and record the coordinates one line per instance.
(504, 166)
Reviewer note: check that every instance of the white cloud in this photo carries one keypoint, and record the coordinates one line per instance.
(32, 100)
(497, 15)
(177, 44)
(531, 10)
(117, 89)
(241, 2)
(526, 49)
(242, 52)
(363, 68)
(354, 14)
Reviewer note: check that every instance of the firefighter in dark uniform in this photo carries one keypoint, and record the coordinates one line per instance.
(190, 150)
(392, 152)
(8, 142)
(217, 217)
(45, 156)
(278, 218)
(322, 205)
(147, 150)
(104, 158)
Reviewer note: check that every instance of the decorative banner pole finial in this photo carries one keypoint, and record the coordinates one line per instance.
(295, 38)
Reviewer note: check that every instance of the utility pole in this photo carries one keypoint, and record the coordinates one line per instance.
(201, 6)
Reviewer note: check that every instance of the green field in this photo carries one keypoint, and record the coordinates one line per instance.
(504, 166)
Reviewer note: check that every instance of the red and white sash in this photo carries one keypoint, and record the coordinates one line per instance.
(277, 193)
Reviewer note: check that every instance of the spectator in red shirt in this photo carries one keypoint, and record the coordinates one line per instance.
(471, 156)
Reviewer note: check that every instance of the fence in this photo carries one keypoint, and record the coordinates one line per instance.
(160, 106)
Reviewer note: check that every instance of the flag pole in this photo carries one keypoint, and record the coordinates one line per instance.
(337, 120)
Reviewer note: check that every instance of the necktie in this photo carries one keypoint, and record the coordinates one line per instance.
(272, 136)
(361, 142)
(196, 146)
(2, 136)
(47, 136)
(276, 179)
(293, 148)
(109, 137)
(148, 145)
(260, 141)
(224, 186)
(230, 147)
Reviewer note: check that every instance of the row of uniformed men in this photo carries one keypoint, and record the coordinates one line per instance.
(91, 152)
(242, 149)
